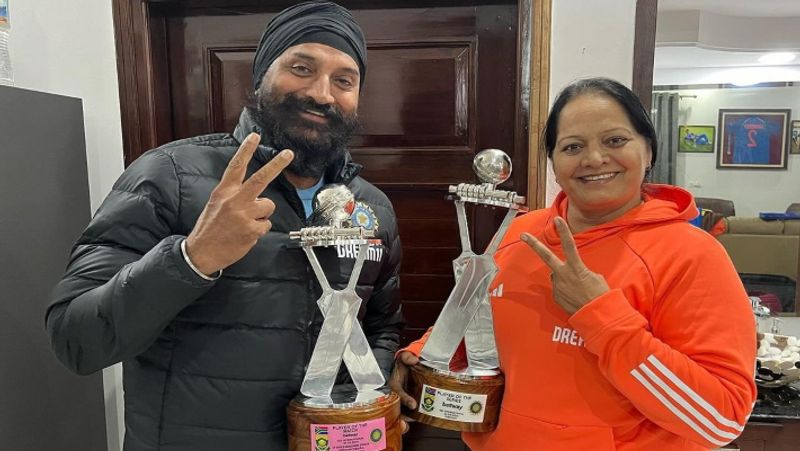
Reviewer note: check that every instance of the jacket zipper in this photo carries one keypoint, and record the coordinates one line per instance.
(310, 277)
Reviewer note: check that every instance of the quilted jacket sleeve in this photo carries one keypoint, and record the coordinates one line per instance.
(126, 278)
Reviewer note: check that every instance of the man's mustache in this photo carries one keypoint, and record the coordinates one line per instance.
(330, 112)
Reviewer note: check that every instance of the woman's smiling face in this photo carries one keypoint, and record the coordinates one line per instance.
(599, 158)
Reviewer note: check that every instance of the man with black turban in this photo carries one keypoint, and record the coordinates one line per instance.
(187, 276)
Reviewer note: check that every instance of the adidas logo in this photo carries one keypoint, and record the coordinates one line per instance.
(497, 292)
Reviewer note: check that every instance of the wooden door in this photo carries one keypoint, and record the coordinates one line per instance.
(445, 79)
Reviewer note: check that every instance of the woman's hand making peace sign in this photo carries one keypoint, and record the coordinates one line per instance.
(574, 285)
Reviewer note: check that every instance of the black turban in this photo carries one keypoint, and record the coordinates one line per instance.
(318, 22)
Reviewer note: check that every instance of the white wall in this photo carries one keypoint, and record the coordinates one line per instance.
(589, 39)
(67, 48)
(752, 191)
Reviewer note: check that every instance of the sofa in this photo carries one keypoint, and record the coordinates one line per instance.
(761, 250)
(724, 207)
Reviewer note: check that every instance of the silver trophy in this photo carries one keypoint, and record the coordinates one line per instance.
(341, 336)
(467, 313)
(467, 399)
(366, 416)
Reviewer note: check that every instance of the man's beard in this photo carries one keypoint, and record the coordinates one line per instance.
(316, 146)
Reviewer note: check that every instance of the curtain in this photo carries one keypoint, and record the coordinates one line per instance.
(665, 120)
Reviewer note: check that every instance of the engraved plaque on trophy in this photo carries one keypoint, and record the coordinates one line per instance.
(364, 416)
(467, 399)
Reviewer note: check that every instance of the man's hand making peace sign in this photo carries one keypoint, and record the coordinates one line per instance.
(234, 217)
(574, 285)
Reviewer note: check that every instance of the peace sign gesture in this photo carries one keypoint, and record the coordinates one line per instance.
(574, 285)
(235, 217)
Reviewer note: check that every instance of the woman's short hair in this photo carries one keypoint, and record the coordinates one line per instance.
(629, 102)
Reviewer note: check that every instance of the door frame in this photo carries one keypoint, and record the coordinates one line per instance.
(644, 47)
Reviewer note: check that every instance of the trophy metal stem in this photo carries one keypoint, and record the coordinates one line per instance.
(467, 399)
(327, 356)
(365, 415)
(339, 337)
(463, 232)
(479, 338)
(459, 317)
(458, 311)
(501, 231)
(358, 357)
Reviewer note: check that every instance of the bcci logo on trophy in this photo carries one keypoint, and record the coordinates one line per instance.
(428, 398)
(321, 438)
(364, 216)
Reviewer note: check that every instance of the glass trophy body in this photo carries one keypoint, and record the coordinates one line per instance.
(467, 399)
(364, 416)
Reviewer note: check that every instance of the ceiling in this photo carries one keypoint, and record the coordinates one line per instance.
(752, 8)
(691, 57)
(720, 41)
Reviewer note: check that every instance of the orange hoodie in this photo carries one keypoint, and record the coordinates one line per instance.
(664, 360)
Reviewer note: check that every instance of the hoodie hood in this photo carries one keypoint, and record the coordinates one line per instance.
(662, 203)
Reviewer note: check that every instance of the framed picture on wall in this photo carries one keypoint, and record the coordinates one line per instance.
(4, 13)
(795, 146)
(753, 138)
(696, 138)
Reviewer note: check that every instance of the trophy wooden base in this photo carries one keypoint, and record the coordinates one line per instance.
(465, 401)
(346, 420)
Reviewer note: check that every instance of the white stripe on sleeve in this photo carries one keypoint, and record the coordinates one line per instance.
(675, 410)
(686, 406)
(693, 395)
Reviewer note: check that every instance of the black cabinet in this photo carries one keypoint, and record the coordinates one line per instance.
(44, 205)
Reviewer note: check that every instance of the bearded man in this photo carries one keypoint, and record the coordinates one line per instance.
(186, 274)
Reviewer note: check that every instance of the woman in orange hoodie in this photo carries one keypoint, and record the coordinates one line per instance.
(619, 325)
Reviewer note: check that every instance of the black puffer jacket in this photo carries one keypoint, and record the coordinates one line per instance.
(209, 366)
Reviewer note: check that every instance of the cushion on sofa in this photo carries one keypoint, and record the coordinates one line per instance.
(791, 227)
(753, 226)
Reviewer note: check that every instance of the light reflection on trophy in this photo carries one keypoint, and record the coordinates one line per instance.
(467, 399)
(366, 415)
